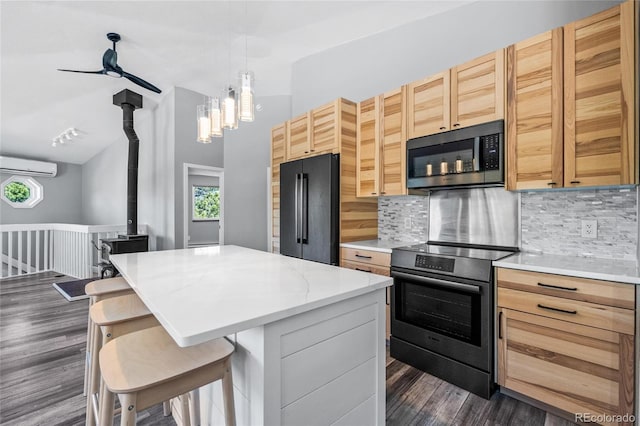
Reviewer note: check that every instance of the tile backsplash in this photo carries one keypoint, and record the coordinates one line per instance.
(395, 213)
(550, 221)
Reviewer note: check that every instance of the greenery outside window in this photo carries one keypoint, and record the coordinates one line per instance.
(205, 202)
(21, 192)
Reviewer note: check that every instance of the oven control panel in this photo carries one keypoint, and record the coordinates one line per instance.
(435, 263)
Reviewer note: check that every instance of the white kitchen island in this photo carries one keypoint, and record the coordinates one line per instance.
(310, 337)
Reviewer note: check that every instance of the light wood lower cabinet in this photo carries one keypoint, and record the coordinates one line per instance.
(371, 261)
(575, 355)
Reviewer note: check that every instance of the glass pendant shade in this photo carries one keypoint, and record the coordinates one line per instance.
(215, 117)
(230, 109)
(204, 124)
(246, 109)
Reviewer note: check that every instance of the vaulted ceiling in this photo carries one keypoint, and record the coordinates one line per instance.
(177, 43)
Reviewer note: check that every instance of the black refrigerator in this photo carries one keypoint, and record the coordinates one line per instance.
(309, 198)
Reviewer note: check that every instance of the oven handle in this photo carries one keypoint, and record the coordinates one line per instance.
(438, 282)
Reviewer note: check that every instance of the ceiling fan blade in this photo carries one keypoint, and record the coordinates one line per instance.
(83, 72)
(141, 82)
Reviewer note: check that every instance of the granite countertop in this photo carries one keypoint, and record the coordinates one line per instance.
(623, 271)
(204, 293)
(383, 246)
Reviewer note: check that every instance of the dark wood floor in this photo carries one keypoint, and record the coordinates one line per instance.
(42, 353)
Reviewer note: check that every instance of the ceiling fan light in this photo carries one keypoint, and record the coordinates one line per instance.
(215, 117)
(247, 109)
(114, 74)
(230, 109)
(204, 124)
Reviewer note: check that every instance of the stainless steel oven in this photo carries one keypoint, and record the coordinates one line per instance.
(442, 310)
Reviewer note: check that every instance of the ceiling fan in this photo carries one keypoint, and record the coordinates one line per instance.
(111, 68)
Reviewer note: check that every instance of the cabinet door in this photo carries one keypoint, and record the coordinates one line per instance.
(575, 368)
(367, 148)
(278, 144)
(298, 137)
(534, 112)
(477, 90)
(428, 105)
(599, 99)
(324, 128)
(393, 143)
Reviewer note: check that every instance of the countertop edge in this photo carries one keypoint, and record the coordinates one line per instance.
(569, 272)
(356, 246)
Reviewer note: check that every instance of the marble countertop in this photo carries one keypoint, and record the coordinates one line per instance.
(383, 246)
(624, 271)
(204, 293)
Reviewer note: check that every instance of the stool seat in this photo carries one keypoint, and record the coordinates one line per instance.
(118, 309)
(108, 285)
(152, 357)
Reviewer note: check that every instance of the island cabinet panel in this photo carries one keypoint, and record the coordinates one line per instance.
(298, 137)
(534, 112)
(368, 151)
(600, 99)
(428, 105)
(278, 146)
(567, 342)
(477, 90)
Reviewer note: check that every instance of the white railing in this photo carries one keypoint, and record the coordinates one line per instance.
(65, 248)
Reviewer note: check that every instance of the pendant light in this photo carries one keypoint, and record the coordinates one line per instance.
(215, 117)
(230, 108)
(204, 124)
(246, 109)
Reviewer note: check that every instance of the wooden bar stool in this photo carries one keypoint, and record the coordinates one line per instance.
(147, 367)
(98, 290)
(110, 318)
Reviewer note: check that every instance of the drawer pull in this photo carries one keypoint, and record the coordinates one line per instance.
(557, 287)
(363, 257)
(500, 325)
(363, 270)
(564, 311)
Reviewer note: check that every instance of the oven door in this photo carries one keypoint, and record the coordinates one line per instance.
(451, 317)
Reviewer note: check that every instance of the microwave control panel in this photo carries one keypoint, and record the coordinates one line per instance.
(491, 151)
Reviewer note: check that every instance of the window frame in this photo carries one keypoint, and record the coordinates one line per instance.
(36, 192)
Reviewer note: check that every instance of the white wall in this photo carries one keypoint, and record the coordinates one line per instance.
(385, 61)
(247, 155)
(202, 231)
(62, 201)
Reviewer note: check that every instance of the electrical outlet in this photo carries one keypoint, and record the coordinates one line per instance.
(589, 229)
(407, 223)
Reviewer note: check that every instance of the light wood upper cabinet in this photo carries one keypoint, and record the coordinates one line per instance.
(325, 127)
(599, 82)
(381, 145)
(278, 146)
(368, 152)
(298, 137)
(534, 112)
(428, 105)
(477, 90)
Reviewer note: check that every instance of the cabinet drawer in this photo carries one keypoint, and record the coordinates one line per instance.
(366, 267)
(585, 313)
(366, 256)
(582, 289)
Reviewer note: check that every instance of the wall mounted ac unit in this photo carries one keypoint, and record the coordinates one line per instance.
(19, 166)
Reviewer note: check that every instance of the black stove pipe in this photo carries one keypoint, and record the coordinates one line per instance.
(129, 101)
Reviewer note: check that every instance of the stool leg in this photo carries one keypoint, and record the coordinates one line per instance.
(128, 412)
(93, 384)
(194, 407)
(87, 352)
(227, 394)
(106, 406)
(184, 409)
(166, 408)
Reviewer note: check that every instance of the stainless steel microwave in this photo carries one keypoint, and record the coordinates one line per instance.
(468, 157)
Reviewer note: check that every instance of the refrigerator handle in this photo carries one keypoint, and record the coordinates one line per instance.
(305, 208)
(297, 207)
